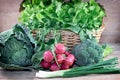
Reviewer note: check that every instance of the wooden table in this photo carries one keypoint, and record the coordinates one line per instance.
(111, 35)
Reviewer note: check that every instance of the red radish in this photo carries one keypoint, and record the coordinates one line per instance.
(69, 61)
(67, 53)
(64, 67)
(45, 64)
(60, 48)
(71, 56)
(60, 58)
(56, 51)
(48, 56)
(54, 67)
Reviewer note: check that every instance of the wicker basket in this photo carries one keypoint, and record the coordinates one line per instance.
(69, 39)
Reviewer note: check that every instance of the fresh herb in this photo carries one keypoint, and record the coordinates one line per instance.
(77, 16)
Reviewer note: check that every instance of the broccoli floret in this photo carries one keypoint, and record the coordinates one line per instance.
(88, 52)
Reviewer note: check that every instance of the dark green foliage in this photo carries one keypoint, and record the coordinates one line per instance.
(88, 52)
(16, 47)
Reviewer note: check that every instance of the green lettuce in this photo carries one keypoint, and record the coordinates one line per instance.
(78, 16)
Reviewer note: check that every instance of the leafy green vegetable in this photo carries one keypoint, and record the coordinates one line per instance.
(88, 52)
(16, 47)
(103, 67)
(77, 16)
(107, 50)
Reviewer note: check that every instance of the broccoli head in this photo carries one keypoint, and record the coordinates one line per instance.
(87, 52)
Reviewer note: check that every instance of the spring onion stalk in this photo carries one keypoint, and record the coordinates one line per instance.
(107, 66)
(95, 71)
(66, 73)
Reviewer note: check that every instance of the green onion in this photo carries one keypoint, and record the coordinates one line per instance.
(103, 67)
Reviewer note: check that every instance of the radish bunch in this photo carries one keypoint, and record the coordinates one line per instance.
(64, 60)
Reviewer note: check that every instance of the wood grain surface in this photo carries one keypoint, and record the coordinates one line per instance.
(9, 13)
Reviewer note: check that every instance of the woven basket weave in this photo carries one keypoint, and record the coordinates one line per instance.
(69, 39)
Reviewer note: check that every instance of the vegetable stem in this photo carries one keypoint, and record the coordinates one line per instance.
(99, 68)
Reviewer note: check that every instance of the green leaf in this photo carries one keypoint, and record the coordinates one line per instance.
(88, 32)
(58, 7)
(76, 1)
(39, 17)
(97, 8)
(59, 38)
(107, 50)
(50, 41)
(35, 2)
(97, 24)
(82, 35)
(37, 57)
(4, 36)
(102, 13)
(74, 28)
(71, 10)
(92, 1)
(92, 7)
(14, 67)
